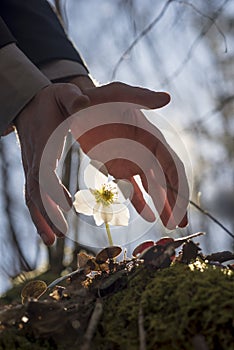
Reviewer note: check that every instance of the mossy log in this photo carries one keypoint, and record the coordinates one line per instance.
(173, 308)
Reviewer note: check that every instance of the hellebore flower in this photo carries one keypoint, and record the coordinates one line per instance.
(103, 200)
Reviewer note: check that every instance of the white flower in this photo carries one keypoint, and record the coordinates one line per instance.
(103, 199)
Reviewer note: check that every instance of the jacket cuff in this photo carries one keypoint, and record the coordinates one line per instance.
(20, 80)
(61, 69)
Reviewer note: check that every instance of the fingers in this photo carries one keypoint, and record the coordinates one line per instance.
(43, 229)
(119, 92)
(52, 185)
(45, 213)
(140, 204)
(184, 222)
(35, 125)
(71, 99)
(166, 180)
(178, 196)
(159, 197)
(53, 215)
(171, 214)
(177, 189)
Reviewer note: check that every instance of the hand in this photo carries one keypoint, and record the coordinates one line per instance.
(50, 108)
(120, 136)
(34, 125)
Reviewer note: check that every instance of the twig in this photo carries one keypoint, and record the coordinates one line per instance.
(96, 315)
(61, 13)
(141, 329)
(24, 264)
(186, 3)
(209, 114)
(199, 342)
(203, 211)
(139, 37)
(194, 44)
(203, 32)
(60, 279)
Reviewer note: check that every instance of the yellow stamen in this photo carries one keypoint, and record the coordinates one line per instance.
(106, 195)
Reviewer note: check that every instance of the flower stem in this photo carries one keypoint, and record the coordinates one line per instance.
(108, 233)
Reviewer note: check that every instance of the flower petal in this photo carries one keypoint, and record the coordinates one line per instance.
(84, 202)
(102, 214)
(97, 214)
(93, 177)
(120, 215)
(107, 213)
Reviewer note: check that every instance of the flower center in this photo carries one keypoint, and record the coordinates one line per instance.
(106, 195)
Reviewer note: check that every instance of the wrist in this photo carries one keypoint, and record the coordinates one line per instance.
(82, 81)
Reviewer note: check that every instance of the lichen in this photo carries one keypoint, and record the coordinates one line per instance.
(177, 304)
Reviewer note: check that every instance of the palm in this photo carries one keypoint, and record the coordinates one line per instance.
(111, 132)
(119, 136)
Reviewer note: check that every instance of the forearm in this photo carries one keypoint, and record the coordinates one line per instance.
(66, 71)
(38, 32)
(20, 81)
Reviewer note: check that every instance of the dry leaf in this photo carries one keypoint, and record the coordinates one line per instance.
(33, 290)
(108, 253)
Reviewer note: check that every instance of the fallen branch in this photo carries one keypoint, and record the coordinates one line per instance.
(141, 329)
(199, 342)
(96, 315)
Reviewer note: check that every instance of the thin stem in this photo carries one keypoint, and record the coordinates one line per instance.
(205, 212)
(109, 234)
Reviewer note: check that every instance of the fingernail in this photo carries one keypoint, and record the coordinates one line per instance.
(184, 222)
(46, 239)
(148, 214)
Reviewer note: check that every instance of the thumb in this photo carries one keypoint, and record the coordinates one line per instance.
(120, 92)
(71, 99)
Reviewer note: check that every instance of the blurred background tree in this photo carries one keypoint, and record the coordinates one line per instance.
(186, 48)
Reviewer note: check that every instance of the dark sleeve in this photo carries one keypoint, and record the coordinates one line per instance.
(5, 35)
(37, 30)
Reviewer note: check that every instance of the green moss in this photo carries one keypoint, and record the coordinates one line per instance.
(177, 304)
(14, 340)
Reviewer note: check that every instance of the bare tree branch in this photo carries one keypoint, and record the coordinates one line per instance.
(206, 28)
(205, 212)
(196, 124)
(140, 36)
(213, 21)
(8, 204)
(60, 9)
(188, 56)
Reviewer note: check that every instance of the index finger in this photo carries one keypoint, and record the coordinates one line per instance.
(168, 187)
(177, 189)
(120, 92)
